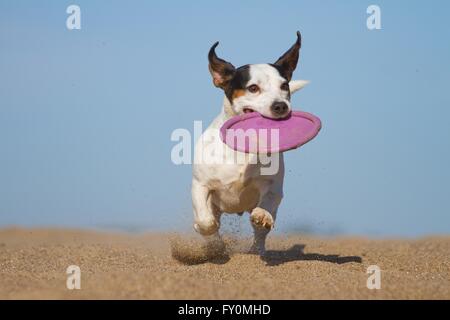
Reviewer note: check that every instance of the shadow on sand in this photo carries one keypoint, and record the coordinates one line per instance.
(296, 253)
(193, 252)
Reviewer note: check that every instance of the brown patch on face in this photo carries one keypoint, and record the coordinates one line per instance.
(238, 93)
(237, 85)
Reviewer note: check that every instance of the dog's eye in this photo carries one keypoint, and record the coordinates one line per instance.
(285, 86)
(253, 88)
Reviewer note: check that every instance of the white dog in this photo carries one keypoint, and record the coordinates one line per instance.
(223, 185)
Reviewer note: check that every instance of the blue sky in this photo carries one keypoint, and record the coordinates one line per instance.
(86, 115)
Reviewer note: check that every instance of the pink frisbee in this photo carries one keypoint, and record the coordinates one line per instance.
(253, 133)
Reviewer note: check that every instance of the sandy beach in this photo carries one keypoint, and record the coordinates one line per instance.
(33, 265)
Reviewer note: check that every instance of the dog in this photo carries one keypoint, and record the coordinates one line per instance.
(224, 186)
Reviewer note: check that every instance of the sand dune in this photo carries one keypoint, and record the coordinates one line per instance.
(33, 265)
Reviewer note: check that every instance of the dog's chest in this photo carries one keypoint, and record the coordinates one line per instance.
(233, 178)
(236, 193)
(233, 186)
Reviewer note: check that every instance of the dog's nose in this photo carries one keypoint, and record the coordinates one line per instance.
(279, 108)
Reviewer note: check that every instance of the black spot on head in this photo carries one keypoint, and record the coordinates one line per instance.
(283, 75)
(238, 82)
(280, 70)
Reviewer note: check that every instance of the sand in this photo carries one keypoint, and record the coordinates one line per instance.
(33, 265)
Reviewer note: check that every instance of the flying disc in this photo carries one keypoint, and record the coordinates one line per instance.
(254, 133)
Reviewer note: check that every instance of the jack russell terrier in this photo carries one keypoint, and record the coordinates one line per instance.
(223, 185)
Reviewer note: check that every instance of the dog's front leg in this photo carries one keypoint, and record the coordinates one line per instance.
(206, 216)
(263, 219)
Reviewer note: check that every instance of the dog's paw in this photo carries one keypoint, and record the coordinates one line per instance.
(257, 250)
(207, 227)
(262, 218)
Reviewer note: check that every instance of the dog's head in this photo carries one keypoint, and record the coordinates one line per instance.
(264, 88)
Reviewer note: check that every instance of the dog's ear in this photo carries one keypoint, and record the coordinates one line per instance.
(221, 71)
(295, 85)
(288, 61)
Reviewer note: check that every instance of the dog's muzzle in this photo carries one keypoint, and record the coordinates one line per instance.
(279, 109)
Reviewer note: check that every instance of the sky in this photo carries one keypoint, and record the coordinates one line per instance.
(86, 115)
